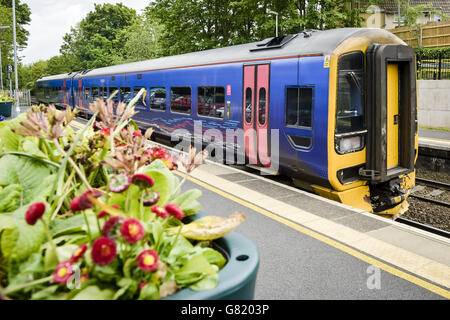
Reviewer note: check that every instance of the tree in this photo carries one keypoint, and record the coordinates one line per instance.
(140, 42)
(6, 35)
(93, 41)
(203, 24)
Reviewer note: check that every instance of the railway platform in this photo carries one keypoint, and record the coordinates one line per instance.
(434, 139)
(315, 248)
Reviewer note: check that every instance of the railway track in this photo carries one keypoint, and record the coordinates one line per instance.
(439, 191)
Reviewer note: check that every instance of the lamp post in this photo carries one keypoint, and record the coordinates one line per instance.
(1, 66)
(16, 80)
(276, 21)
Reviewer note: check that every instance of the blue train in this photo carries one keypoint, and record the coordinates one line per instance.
(340, 105)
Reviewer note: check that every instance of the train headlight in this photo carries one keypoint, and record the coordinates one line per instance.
(346, 143)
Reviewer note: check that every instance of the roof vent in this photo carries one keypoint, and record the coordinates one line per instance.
(273, 43)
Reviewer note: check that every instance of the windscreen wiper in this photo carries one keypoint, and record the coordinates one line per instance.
(353, 76)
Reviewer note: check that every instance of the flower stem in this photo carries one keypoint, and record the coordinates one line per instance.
(49, 235)
(28, 284)
(141, 207)
(74, 165)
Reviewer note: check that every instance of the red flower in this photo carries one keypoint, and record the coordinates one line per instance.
(110, 226)
(148, 260)
(101, 214)
(106, 131)
(150, 198)
(160, 211)
(103, 251)
(142, 180)
(79, 253)
(132, 230)
(62, 272)
(34, 212)
(174, 210)
(160, 153)
(137, 133)
(82, 202)
(120, 182)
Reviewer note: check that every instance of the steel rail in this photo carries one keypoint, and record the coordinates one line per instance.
(424, 227)
(441, 203)
(433, 183)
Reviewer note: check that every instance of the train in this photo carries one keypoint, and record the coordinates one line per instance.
(340, 106)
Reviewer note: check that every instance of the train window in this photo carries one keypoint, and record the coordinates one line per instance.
(262, 106)
(111, 91)
(94, 92)
(103, 93)
(211, 101)
(299, 106)
(180, 99)
(125, 94)
(158, 98)
(248, 105)
(350, 102)
(87, 93)
(139, 103)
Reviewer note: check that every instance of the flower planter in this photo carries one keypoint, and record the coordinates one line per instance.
(237, 278)
(5, 108)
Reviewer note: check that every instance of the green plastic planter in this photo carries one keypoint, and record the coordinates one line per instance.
(6, 108)
(237, 278)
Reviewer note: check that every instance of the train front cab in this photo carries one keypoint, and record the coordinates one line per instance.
(372, 131)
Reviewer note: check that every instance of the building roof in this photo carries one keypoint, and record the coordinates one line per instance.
(391, 6)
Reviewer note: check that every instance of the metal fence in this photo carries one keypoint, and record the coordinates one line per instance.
(24, 97)
(433, 67)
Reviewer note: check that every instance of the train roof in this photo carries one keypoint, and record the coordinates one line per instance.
(61, 76)
(305, 43)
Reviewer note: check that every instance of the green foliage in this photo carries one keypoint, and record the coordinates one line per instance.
(432, 53)
(211, 24)
(95, 39)
(23, 18)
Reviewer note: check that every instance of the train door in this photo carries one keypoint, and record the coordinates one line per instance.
(64, 93)
(255, 113)
(392, 115)
(80, 96)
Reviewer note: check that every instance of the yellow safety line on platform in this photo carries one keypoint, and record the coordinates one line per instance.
(394, 271)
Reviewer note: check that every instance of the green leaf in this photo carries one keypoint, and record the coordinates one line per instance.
(51, 258)
(161, 185)
(65, 252)
(187, 201)
(128, 288)
(94, 293)
(10, 198)
(27, 173)
(149, 292)
(6, 222)
(207, 283)
(214, 257)
(71, 224)
(47, 293)
(194, 270)
(32, 148)
(10, 141)
(20, 242)
(157, 164)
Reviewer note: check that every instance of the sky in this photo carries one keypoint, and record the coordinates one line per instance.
(52, 19)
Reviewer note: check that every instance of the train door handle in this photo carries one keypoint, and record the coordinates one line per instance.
(396, 119)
